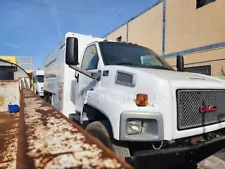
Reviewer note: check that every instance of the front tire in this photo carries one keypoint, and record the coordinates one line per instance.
(101, 130)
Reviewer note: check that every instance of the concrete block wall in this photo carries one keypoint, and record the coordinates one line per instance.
(9, 93)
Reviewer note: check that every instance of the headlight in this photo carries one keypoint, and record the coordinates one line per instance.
(134, 127)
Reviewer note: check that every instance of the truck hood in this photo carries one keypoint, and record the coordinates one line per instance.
(177, 80)
(185, 79)
(174, 75)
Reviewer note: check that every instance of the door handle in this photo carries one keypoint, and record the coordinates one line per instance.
(77, 77)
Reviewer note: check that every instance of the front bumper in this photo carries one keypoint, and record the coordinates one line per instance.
(180, 157)
(40, 93)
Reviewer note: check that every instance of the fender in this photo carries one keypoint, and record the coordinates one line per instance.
(109, 106)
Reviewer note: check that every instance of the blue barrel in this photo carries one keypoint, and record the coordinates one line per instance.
(13, 108)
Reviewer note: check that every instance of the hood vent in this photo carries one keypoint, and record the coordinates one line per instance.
(195, 78)
(125, 78)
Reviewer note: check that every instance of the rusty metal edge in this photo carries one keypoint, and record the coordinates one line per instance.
(22, 160)
(94, 141)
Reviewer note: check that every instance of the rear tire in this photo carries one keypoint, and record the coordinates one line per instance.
(101, 130)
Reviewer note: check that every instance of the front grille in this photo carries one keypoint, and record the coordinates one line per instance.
(188, 108)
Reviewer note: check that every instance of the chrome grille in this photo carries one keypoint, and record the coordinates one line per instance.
(189, 103)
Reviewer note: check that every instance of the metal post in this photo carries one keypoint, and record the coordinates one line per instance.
(164, 28)
(127, 32)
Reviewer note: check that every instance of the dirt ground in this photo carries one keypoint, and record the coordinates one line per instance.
(8, 140)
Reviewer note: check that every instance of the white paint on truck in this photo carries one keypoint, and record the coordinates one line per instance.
(59, 78)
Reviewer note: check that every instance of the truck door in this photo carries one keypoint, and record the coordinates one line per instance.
(90, 63)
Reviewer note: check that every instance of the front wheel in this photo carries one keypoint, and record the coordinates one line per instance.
(101, 130)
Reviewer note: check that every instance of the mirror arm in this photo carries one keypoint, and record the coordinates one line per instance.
(83, 72)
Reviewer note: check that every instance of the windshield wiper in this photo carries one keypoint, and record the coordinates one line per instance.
(126, 63)
(143, 66)
(157, 67)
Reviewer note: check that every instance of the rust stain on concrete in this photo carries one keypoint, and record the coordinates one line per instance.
(6, 82)
(1, 100)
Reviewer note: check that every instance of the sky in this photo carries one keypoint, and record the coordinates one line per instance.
(35, 27)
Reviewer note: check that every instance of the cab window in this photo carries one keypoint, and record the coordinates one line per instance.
(90, 59)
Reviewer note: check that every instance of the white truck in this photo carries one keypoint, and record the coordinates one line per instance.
(132, 101)
(38, 80)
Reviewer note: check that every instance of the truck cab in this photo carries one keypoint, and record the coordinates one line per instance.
(133, 101)
(38, 80)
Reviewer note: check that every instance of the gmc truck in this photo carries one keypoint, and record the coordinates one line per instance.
(135, 103)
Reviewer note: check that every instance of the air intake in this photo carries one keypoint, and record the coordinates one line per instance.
(126, 79)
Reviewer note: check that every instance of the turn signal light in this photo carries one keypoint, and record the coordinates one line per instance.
(142, 99)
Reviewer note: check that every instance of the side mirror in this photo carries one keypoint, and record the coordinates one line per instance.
(180, 63)
(72, 51)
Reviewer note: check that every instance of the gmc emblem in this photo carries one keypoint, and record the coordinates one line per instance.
(209, 108)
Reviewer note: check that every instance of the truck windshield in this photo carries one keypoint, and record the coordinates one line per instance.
(40, 78)
(131, 55)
